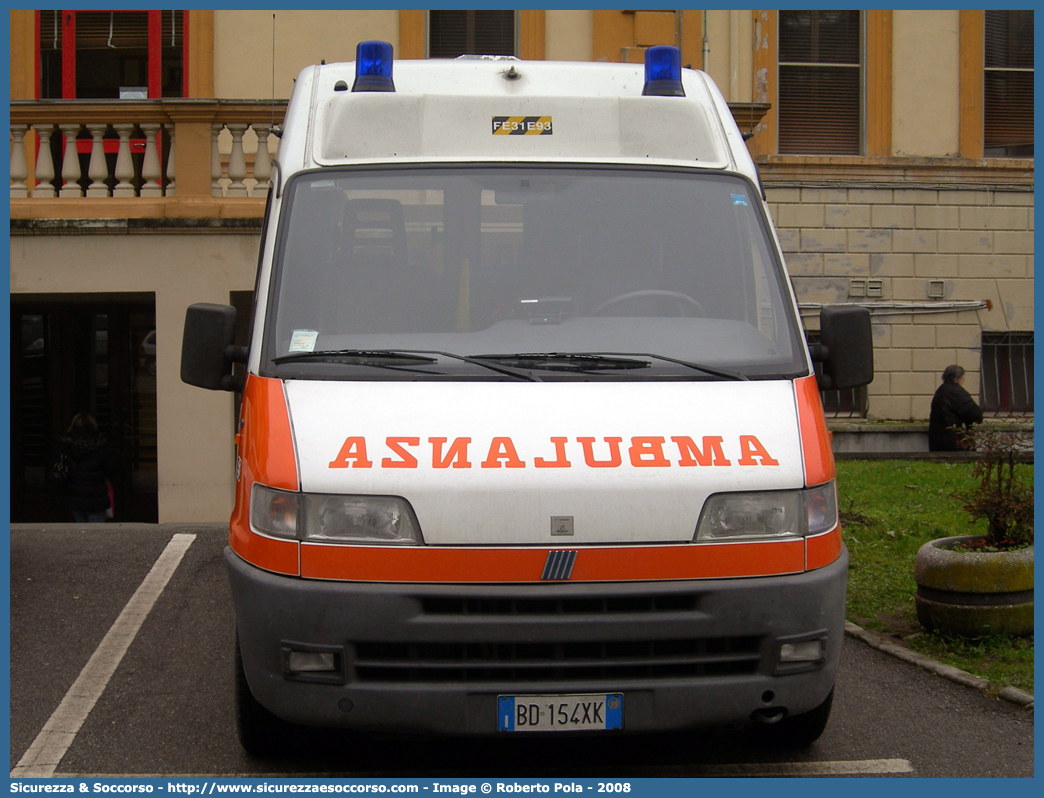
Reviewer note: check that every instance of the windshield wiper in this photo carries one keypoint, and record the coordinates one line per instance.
(592, 361)
(392, 358)
(513, 365)
(479, 360)
(366, 357)
(714, 371)
(568, 361)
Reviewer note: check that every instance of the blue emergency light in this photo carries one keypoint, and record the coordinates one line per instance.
(373, 67)
(663, 72)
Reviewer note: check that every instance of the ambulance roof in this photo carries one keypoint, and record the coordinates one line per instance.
(506, 110)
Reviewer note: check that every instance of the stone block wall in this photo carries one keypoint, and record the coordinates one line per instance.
(928, 247)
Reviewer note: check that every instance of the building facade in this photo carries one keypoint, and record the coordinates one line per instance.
(895, 148)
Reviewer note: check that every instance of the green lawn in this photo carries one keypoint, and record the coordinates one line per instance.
(889, 508)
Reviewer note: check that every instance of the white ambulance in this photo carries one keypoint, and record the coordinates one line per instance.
(531, 439)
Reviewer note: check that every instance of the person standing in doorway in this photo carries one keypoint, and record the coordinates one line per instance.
(953, 411)
(86, 451)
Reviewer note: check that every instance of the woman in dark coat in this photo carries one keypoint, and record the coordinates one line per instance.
(953, 411)
(86, 451)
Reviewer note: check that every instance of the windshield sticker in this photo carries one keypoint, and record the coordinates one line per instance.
(740, 199)
(521, 126)
(303, 340)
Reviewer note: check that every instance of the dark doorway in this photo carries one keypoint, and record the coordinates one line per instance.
(94, 352)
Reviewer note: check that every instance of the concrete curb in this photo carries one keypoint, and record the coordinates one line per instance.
(888, 646)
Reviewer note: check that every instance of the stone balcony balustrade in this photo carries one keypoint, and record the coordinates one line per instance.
(147, 158)
(112, 159)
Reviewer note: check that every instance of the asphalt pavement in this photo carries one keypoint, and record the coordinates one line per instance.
(163, 705)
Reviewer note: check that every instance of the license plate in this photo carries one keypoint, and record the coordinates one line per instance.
(593, 712)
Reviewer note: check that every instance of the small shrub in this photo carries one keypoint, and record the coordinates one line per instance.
(1001, 496)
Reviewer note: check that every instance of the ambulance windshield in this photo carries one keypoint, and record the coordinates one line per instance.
(506, 262)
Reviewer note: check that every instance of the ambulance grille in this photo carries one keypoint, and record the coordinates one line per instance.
(559, 606)
(613, 662)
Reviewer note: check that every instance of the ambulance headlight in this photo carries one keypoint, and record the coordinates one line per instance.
(386, 520)
(769, 514)
(275, 512)
(330, 518)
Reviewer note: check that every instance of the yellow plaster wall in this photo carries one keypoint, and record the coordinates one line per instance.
(926, 86)
(568, 35)
(243, 46)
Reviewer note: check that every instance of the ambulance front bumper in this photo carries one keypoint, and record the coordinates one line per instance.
(433, 658)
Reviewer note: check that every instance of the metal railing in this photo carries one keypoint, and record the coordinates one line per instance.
(1006, 384)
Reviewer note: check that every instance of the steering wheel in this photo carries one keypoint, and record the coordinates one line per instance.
(684, 298)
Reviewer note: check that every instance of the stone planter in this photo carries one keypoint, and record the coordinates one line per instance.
(974, 593)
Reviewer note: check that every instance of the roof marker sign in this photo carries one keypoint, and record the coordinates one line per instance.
(521, 125)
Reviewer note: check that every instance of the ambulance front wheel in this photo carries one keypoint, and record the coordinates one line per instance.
(796, 731)
(261, 733)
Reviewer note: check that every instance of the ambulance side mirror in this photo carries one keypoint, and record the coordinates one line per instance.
(207, 351)
(846, 349)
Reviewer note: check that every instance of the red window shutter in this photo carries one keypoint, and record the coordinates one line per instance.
(128, 29)
(81, 52)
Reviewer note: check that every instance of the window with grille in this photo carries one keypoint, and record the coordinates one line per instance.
(1006, 384)
(820, 82)
(1008, 84)
(453, 33)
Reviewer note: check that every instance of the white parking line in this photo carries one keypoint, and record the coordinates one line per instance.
(854, 767)
(50, 745)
